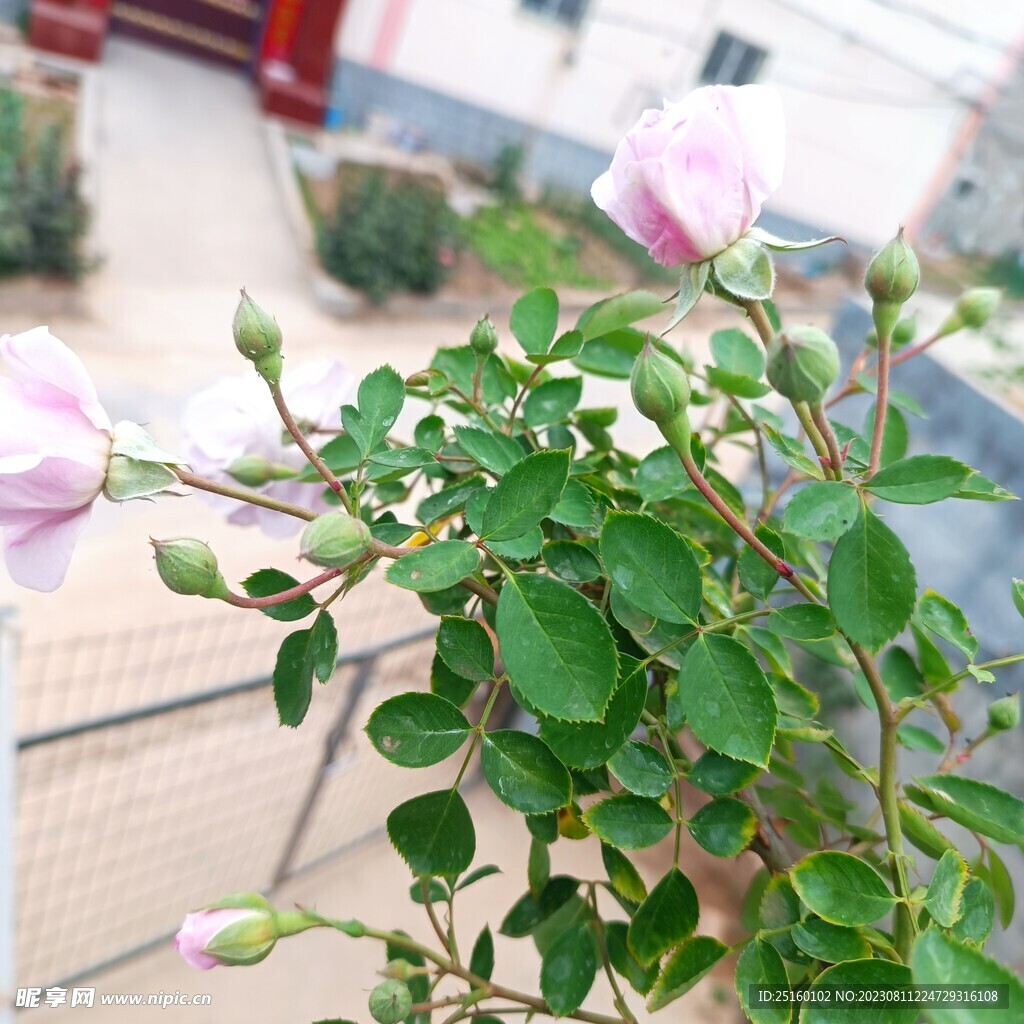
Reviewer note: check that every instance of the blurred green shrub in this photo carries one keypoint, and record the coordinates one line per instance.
(43, 217)
(388, 236)
(508, 165)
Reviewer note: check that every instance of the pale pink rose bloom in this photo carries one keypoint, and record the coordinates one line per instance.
(236, 417)
(55, 443)
(689, 180)
(200, 928)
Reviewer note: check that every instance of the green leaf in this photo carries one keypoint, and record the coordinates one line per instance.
(980, 488)
(946, 620)
(402, 458)
(652, 565)
(829, 942)
(495, 452)
(939, 960)
(734, 351)
(433, 833)
(417, 729)
(895, 435)
(571, 561)
(913, 737)
(266, 582)
(627, 821)
(735, 383)
(1001, 884)
(556, 647)
(756, 575)
(685, 968)
(791, 452)
(724, 827)
(942, 900)
(538, 866)
(624, 877)
(781, 907)
(381, 396)
(802, 622)
(302, 655)
(611, 355)
(589, 744)
(660, 476)
(622, 960)
(526, 494)
(434, 567)
(465, 648)
(552, 401)
(447, 500)
(534, 320)
(719, 775)
(523, 773)
(619, 311)
(877, 975)
(978, 806)
(341, 454)
(665, 919)
(871, 582)
(822, 510)
(1017, 592)
(978, 913)
(576, 507)
(692, 281)
(641, 769)
(760, 966)
(922, 833)
(481, 960)
(841, 888)
(566, 346)
(568, 969)
(448, 684)
(919, 480)
(529, 911)
(726, 698)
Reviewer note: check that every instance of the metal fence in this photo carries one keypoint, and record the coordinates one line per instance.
(129, 818)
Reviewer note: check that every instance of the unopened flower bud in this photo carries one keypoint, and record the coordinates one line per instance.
(973, 309)
(258, 338)
(484, 338)
(334, 540)
(803, 363)
(1004, 713)
(400, 970)
(390, 1002)
(659, 386)
(189, 567)
(255, 470)
(234, 932)
(891, 278)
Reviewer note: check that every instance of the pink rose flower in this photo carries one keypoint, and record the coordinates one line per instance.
(689, 180)
(236, 417)
(55, 441)
(202, 927)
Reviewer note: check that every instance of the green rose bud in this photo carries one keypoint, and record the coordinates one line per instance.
(803, 363)
(255, 471)
(484, 338)
(891, 278)
(659, 386)
(189, 567)
(334, 540)
(390, 1002)
(1004, 713)
(973, 309)
(258, 338)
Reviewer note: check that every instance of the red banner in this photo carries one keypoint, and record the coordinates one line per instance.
(282, 29)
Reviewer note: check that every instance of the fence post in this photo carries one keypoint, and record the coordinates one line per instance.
(331, 743)
(8, 744)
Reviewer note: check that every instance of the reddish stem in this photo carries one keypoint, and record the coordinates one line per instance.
(285, 595)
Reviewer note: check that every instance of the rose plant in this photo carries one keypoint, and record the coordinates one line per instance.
(656, 633)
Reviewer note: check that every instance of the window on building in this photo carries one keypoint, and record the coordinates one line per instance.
(568, 12)
(732, 61)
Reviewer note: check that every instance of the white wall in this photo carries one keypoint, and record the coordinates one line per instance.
(874, 95)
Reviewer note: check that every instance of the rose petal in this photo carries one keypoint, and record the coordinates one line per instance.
(38, 554)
